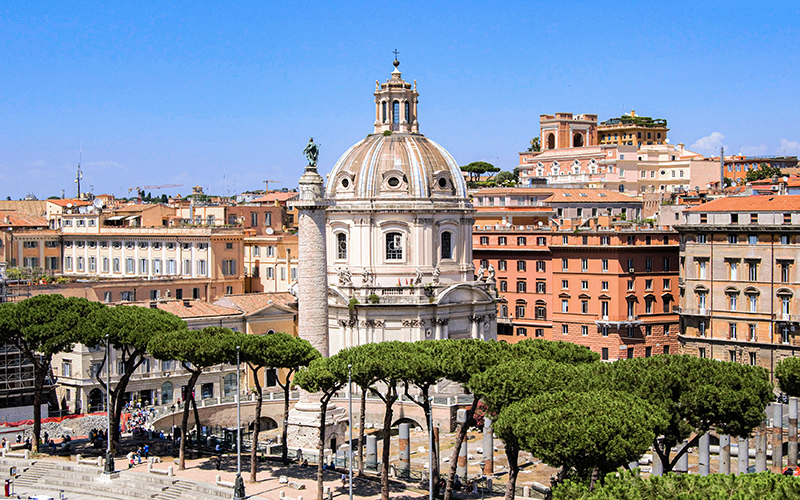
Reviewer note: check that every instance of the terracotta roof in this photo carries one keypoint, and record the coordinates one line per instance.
(768, 203)
(137, 208)
(589, 196)
(251, 302)
(276, 196)
(63, 202)
(33, 207)
(198, 308)
(21, 219)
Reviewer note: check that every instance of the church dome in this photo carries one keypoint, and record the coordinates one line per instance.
(396, 165)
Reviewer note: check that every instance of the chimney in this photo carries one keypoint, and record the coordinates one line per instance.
(187, 303)
(153, 304)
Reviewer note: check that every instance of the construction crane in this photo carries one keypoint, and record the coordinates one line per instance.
(140, 189)
(266, 186)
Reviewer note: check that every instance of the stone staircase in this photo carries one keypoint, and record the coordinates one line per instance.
(126, 485)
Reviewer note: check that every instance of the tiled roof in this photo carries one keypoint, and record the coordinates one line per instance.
(276, 196)
(197, 309)
(137, 208)
(21, 219)
(589, 196)
(33, 207)
(251, 302)
(63, 202)
(768, 203)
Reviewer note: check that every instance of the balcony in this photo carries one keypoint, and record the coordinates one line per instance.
(618, 321)
(786, 318)
(688, 311)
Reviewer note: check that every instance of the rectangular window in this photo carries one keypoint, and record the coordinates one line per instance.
(270, 251)
(752, 332)
(584, 265)
(631, 267)
(648, 284)
(564, 264)
(604, 285)
(522, 286)
(732, 355)
(228, 246)
(172, 266)
(179, 293)
(502, 240)
(540, 286)
(604, 263)
(80, 263)
(564, 305)
(484, 240)
(604, 353)
(541, 312)
(732, 238)
(521, 241)
(503, 285)
(126, 296)
(541, 241)
(564, 329)
(734, 270)
(564, 284)
(156, 266)
(630, 285)
(630, 352)
(270, 273)
(605, 240)
(784, 239)
(701, 352)
(142, 266)
(202, 268)
(666, 285)
(501, 265)
(130, 267)
(539, 332)
(701, 267)
(648, 350)
(565, 240)
(105, 264)
(584, 307)
(229, 267)
(520, 311)
(540, 266)
(187, 267)
(520, 265)
(732, 331)
(604, 330)
(701, 238)
(753, 359)
(253, 219)
(66, 368)
(648, 265)
(584, 285)
(195, 293)
(733, 301)
(293, 273)
(584, 330)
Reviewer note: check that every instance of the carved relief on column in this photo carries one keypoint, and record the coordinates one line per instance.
(413, 323)
(476, 318)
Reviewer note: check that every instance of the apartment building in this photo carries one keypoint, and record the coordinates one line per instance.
(740, 283)
(26, 241)
(632, 129)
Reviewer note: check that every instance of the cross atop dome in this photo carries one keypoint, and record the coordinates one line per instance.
(396, 103)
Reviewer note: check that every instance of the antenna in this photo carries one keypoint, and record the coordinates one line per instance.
(79, 174)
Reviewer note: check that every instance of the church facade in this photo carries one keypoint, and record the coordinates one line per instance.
(399, 236)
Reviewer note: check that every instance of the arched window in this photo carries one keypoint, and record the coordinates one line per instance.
(396, 112)
(577, 140)
(551, 141)
(341, 246)
(447, 248)
(408, 112)
(229, 384)
(394, 246)
(166, 393)
(383, 108)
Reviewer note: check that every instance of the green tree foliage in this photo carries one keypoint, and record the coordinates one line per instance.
(591, 433)
(280, 351)
(764, 171)
(632, 486)
(697, 394)
(42, 326)
(535, 145)
(196, 350)
(478, 168)
(534, 367)
(324, 376)
(130, 330)
(506, 179)
(788, 374)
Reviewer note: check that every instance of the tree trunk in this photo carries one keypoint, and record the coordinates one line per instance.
(197, 423)
(256, 429)
(185, 418)
(593, 480)
(41, 375)
(387, 434)
(462, 434)
(512, 453)
(323, 410)
(361, 422)
(285, 431)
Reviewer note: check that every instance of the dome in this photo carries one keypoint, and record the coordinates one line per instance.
(396, 165)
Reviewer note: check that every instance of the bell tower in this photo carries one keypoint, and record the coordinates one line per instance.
(396, 104)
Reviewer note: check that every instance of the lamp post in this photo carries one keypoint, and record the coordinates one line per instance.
(430, 448)
(172, 431)
(109, 468)
(238, 487)
(350, 425)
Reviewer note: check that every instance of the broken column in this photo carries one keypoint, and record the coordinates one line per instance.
(371, 457)
(724, 454)
(404, 466)
(743, 454)
(777, 437)
(682, 466)
(761, 447)
(703, 446)
(488, 447)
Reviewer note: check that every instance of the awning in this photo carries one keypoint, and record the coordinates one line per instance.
(131, 217)
(116, 217)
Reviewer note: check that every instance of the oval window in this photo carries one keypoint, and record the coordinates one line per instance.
(345, 183)
(394, 182)
(442, 182)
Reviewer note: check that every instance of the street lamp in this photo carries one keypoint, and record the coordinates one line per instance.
(172, 431)
(430, 448)
(350, 418)
(109, 468)
(238, 487)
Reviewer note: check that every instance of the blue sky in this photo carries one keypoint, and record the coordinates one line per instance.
(226, 95)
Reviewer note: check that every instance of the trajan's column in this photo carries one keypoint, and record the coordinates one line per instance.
(312, 301)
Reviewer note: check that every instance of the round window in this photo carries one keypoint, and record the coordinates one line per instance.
(442, 182)
(394, 182)
(663, 172)
(345, 183)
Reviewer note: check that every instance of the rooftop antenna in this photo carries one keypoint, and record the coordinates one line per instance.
(79, 174)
